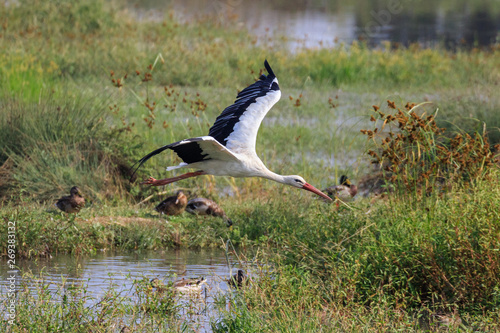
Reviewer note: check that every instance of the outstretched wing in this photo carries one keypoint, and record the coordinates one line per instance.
(193, 150)
(237, 126)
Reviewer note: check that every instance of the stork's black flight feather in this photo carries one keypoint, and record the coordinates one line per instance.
(189, 150)
(224, 124)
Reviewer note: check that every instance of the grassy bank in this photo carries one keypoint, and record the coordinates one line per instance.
(390, 265)
(86, 90)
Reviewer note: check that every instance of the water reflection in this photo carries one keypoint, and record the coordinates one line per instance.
(313, 24)
(100, 269)
(430, 24)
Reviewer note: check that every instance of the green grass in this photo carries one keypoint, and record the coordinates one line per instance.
(398, 267)
(44, 231)
(59, 141)
(95, 38)
(387, 265)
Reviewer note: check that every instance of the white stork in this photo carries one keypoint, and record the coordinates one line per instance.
(229, 148)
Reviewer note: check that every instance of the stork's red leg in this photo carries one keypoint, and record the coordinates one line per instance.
(155, 182)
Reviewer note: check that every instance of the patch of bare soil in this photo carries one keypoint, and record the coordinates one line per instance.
(121, 220)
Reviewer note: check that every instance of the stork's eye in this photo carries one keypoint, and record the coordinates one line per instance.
(298, 180)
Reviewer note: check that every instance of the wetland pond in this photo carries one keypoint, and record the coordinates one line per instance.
(323, 24)
(119, 272)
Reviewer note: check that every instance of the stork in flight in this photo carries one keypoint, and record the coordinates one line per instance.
(229, 148)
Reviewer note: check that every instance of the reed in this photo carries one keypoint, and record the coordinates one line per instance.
(81, 102)
(415, 154)
(51, 145)
(46, 307)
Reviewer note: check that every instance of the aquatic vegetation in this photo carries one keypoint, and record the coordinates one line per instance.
(416, 154)
(41, 306)
(85, 89)
(90, 41)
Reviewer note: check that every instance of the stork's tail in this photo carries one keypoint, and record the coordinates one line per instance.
(269, 70)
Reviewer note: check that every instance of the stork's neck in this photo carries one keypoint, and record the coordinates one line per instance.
(261, 170)
(274, 176)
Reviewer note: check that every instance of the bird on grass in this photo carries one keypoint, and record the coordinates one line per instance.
(345, 191)
(229, 147)
(125, 329)
(238, 279)
(202, 206)
(173, 205)
(72, 203)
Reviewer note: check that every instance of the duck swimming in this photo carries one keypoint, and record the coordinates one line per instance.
(238, 279)
(193, 284)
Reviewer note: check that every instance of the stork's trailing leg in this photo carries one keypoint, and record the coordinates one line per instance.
(160, 182)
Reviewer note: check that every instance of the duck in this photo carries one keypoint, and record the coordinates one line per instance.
(173, 205)
(72, 203)
(192, 284)
(125, 329)
(158, 285)
(345, 191)
(202, 206)
(237, 279)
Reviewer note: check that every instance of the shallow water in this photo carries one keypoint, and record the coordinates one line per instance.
(98, 273)
(317, 24)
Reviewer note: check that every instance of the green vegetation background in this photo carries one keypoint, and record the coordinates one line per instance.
(86, 90)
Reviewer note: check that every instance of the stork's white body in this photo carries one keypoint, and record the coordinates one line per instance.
(238, 158)
(229, 149)
(224, 162)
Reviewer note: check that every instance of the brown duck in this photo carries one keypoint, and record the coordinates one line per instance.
(72, 203)
(238, 279)
(193, 284)
(345, 191)
(173, 205)
(157, 285)
(190, 284)
(202, 206)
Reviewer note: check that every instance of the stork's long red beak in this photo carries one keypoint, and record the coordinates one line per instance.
(314, 190)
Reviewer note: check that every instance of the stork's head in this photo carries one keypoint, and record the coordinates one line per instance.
(298, 181)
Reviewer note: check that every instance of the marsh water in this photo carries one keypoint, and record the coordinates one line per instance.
(321, 23)
(117, 271)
